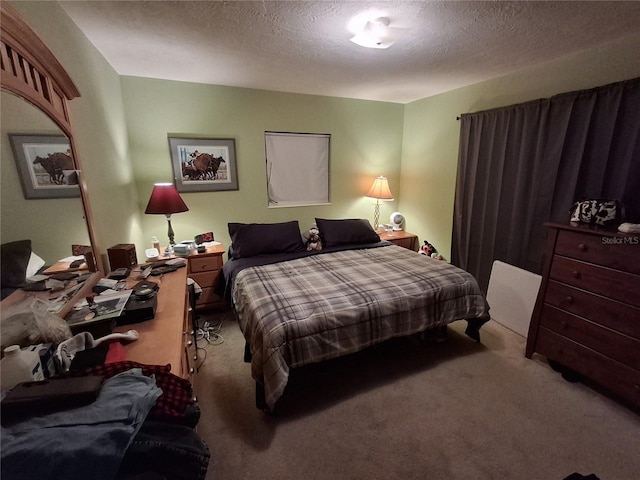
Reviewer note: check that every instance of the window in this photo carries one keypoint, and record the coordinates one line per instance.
(297, 168)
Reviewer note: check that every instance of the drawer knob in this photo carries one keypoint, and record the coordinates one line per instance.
(564, 325)
(569, 299)
(582, 246)
(576, 274)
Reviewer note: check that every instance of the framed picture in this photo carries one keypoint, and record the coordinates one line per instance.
(204, 164)
(45, 166)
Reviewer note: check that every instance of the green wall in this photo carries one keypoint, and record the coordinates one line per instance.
(366, 140)
(431, 131)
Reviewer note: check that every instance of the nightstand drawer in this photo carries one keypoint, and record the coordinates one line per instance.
(202, 264)
(615, 251)
(404, 242)
(603, 340)
(208, 296)
(619, 285)
(604, 311)
(401, 238)
(206, 279)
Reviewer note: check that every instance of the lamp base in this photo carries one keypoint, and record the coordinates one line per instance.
(170, 234)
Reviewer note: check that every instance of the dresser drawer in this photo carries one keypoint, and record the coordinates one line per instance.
(613, 375)
(202, 264)
(604, 311)
(618, 285)
(617, 251)
(615, 345)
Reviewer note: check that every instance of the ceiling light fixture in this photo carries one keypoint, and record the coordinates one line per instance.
(378, 34)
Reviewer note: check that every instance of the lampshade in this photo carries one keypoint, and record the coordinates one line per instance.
(165, 200)
(380, 189)
(378, 34)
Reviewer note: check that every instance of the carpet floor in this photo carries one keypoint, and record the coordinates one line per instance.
(410, 409)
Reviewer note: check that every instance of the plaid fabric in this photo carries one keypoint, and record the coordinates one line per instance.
(320, 307)
(177, 393)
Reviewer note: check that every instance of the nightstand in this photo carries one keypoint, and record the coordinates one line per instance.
(205, 269)
(401, 238)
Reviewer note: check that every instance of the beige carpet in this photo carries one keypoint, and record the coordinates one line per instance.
(413, 409)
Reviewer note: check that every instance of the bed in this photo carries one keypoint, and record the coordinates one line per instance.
(297, 307)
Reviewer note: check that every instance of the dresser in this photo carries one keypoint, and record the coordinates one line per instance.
(401, 238)
(169, 337)
(205, 269)
(587, 314)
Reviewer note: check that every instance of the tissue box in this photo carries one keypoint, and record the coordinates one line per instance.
(184, 248)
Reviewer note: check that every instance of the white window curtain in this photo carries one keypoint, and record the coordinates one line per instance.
(297, 168)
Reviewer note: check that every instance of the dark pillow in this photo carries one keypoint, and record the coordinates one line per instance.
(249, 239)
(346, 232)
(14, 258)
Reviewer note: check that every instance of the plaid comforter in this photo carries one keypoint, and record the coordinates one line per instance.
(324, 306)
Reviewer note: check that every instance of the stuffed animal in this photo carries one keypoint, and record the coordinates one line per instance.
(312, 236)
(430, 251)
(427, 249)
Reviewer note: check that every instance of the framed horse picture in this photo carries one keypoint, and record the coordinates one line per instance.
(45, 166)
(204, 164)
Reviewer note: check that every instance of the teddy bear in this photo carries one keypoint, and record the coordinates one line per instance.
(312, 237)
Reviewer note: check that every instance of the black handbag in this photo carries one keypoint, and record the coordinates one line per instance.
(598, 212)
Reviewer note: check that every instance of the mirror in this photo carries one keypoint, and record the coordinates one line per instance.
(35, 92)
(52, 224)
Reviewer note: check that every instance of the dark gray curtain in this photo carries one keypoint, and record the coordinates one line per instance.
(526, 164)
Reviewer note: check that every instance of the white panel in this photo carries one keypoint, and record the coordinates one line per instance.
(512, 295)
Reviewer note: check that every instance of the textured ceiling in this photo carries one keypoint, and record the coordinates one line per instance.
(304, 47)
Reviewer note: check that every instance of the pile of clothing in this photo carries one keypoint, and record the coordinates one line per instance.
(140, 424)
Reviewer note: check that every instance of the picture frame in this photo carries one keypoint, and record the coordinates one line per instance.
(45, 164)
(204, 164)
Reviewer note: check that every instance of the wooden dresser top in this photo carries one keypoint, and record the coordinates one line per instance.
(161, 339)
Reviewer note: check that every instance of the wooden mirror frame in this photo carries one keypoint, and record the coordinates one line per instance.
(31, 71)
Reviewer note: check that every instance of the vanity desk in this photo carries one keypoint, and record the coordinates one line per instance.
(167, 338)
